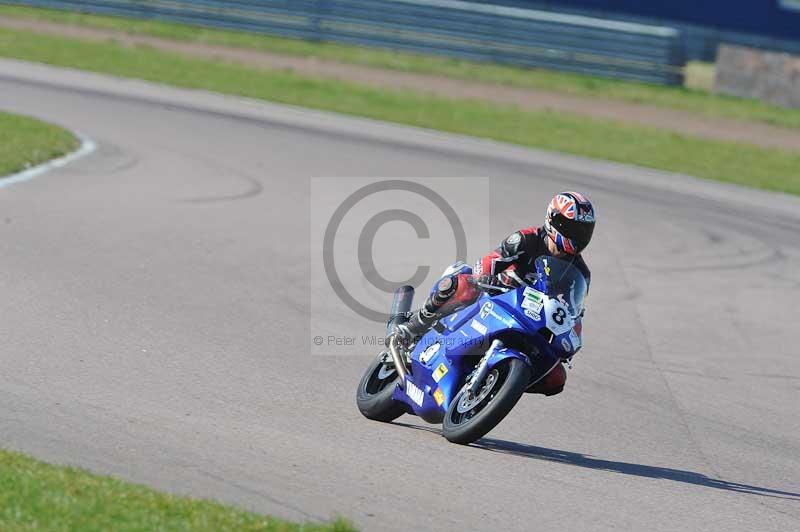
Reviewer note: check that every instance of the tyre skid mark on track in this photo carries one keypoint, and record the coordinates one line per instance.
(253, 190)
(743, 263)
(666, 198)
(650, 355)
(654, 194)
(253, 187)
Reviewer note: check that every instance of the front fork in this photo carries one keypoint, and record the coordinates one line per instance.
(479, 375)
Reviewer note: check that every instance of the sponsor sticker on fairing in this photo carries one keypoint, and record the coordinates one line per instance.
(438, 396)
(439, 372)
(478, 326)
(566, 345)
(414, 393)
(486, 309)
(429, 352)
(533, 315)
(532, 299)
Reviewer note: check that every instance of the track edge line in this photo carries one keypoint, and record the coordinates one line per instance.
(86, 147)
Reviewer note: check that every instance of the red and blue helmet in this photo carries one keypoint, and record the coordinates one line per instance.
(570, 222)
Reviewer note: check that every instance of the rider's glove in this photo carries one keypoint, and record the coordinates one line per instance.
(489, 282)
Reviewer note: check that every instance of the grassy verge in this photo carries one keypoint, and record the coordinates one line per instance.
(737, 163)
(25, 142)
(38, 496)
(688, 99)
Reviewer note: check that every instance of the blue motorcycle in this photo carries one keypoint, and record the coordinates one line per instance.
(470, 369)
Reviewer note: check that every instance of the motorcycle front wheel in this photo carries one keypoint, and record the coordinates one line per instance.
(374, 394)
(470, 417)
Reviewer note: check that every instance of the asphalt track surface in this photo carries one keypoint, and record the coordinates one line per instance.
(155, 326)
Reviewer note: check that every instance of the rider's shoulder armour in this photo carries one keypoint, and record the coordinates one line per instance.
(519, 242)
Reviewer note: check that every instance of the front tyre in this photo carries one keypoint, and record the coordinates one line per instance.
(471, 417)
(374, 394)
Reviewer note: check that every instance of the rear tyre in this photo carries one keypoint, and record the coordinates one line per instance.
(374, 394)
(469, 418)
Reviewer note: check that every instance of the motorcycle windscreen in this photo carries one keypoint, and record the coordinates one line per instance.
(563, 281)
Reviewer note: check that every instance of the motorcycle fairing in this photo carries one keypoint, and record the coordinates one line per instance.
(470, 332)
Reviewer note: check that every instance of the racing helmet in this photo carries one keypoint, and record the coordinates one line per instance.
(569, 222)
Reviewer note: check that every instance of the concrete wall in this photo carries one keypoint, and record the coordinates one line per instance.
(770, 76)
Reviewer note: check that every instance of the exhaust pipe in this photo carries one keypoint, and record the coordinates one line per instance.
(401, 305)
(395, 349)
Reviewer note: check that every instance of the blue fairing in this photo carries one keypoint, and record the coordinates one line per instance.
(444, 357)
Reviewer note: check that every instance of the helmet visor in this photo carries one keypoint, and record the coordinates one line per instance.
(579, 232)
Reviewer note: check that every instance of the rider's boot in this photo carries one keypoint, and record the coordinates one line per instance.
(552, 384)
(420, 321)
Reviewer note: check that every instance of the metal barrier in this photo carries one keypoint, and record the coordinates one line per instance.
(764, 24)
(455, 28)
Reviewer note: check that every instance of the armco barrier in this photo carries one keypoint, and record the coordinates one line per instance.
(449, 27)
(764, 24)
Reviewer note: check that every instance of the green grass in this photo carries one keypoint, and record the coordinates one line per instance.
(688, 99)
(26, 142)
(38, 496)
(736, 163)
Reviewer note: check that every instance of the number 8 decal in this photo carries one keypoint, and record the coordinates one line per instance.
(559, 315)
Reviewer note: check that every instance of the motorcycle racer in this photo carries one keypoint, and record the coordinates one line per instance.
(568, 227)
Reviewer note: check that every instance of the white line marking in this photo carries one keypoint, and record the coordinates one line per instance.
(87, 146)
(548, 16)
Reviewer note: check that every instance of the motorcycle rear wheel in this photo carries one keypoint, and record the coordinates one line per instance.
(470, 418)
(374, 394)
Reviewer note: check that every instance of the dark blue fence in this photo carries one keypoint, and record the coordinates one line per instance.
(766, 24)
(456, 28)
